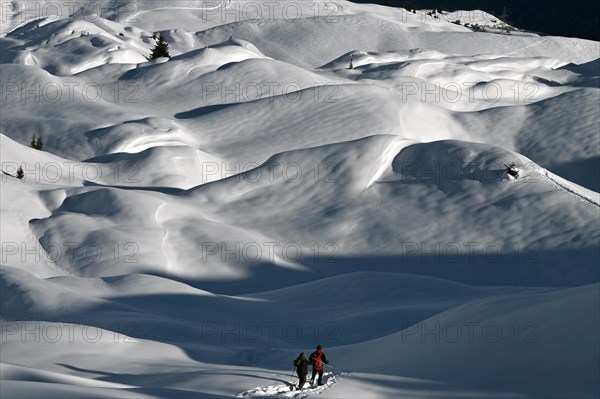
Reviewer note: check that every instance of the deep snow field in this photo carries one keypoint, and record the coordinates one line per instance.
(297, 173)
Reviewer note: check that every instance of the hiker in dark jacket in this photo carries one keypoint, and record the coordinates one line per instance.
(301, 368)
(317, 358)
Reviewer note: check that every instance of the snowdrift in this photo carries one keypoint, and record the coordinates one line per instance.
(331, 174)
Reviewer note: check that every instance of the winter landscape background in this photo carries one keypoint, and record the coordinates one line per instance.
(296, 173)
(576, 18)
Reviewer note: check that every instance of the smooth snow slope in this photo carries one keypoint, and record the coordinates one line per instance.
(193, 223)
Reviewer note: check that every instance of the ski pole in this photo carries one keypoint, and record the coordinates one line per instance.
(331, 367)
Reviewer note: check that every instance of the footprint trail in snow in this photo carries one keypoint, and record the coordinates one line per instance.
(289, 390)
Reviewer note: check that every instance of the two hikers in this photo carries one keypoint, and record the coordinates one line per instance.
(316, 359)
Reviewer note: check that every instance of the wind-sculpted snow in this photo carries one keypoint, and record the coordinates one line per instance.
(418, 196)
(526, 319)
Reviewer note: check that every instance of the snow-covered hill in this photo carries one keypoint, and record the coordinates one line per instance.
(297, 173)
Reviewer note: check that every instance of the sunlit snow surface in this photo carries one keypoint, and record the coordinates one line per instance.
(297, 173)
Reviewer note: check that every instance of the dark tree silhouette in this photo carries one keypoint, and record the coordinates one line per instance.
(36, 142)
(161, 49)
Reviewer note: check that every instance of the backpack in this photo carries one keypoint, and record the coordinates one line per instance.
(318, 364)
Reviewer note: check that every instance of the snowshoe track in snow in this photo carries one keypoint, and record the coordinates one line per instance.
(570, 191)
(290, 391)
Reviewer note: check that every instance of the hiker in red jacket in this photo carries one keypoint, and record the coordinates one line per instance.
(317, 358)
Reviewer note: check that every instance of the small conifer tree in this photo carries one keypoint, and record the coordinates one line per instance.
(512, 169)
(20, 173)
(161, 49)
(36, 142)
